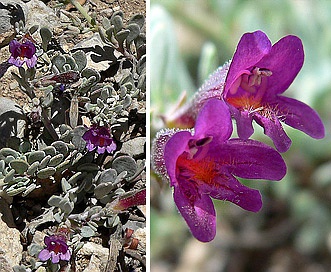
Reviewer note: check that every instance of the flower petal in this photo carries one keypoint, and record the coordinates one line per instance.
(29, 49)
(273, 128)
(101, 149)
(14, 48)
(66, 256)
(251, 48)
(214, 120)
(250, 159)
(17, 62)
(200, 215)
(243, 121)
(44, 255)
(90, 147)
(48, 240)
(31, 62)
(99, 137)
(232, 190)
(111, 147)
(55, 257)
(176, 145)
(284, 61)
(300, 116)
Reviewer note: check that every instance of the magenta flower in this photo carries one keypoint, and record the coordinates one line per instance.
(98, 137)
(203, 164)
(259, 73)
(56, 249)
(22, 53)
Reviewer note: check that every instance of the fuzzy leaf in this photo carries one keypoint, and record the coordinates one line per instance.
(80, 58)
(59, 62)
(87, 231)
(46, 36)
(54, 201)
(125, 163)
(134, 32)
(138, 19)
(117, 22)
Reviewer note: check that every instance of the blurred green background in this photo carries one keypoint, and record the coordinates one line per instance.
(292, 232)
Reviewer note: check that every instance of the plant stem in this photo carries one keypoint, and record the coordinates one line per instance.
(82, 10)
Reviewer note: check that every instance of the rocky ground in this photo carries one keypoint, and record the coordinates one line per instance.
(50, 17)
(115, 252)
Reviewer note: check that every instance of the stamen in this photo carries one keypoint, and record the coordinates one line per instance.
(256, 78)
(253, 87)
(252, 110)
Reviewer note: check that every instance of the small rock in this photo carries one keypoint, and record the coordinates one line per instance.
(10, 245)
(13, 85)
(142, 208)
(4, 265)
(107, 12)
(40, 14)
(97, 255)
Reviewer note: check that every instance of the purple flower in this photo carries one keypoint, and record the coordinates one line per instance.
(56, 249)
(98, 137)
(259, 73)
(22, 53)
(203, 164)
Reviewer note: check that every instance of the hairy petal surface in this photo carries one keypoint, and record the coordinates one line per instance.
(273, 129)
(232, 190)
(250, 159)
(199, 214)
(213, 87)
(300, 116)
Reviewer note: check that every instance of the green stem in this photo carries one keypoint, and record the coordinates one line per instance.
(83, 11)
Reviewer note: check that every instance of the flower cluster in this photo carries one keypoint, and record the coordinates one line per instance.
(203, 162)
(56, 249)
(99, 138)
(22, 52)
